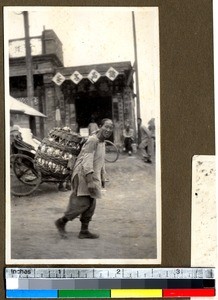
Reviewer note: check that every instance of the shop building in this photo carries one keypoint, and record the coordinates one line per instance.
(71, 96)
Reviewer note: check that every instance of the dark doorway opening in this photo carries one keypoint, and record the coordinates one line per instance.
(93, 107)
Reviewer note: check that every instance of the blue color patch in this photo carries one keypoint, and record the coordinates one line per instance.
(31, 294)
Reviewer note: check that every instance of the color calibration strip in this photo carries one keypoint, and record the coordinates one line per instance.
(109, 283)
(108, 288)
(124, 293)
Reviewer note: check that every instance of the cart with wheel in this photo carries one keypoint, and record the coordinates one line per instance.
(111, 152)
(50, 163)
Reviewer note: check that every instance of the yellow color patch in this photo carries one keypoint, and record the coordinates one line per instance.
(136, 293)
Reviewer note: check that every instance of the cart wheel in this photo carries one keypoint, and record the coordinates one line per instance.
(24, 177)
(111, 151)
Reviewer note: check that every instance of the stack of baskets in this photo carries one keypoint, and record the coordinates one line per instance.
(56, 150)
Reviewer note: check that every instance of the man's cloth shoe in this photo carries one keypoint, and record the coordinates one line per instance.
(61, 228)
(148, 161)
(85, 234)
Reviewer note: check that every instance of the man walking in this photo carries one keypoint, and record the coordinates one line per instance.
(87, 180)
(146, 142)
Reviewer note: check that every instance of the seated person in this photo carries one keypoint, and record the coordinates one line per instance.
(14, 132)
(128, 135)
(24, 134)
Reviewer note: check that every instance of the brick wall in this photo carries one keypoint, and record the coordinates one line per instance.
(52, 44)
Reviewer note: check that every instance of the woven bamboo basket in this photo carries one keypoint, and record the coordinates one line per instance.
(56, 150)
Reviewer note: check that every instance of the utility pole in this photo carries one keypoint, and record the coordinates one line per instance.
(29, 70)
(136, 66)
(138, 112)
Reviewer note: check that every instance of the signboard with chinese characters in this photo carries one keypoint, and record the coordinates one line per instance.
(94, 76)
(112, 73)
(58, 78)
(17, 47)
(118, 103)
(128, 104)
(76, 77)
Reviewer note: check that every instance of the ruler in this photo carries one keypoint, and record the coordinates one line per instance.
(112, 273)
(109, 282)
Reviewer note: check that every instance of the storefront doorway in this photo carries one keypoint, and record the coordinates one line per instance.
(92, 107)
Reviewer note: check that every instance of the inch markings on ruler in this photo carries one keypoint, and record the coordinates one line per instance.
(111, 273)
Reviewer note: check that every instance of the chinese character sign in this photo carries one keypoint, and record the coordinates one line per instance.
(112, 73)
(58, 78)
(94, 76)
(17, 48)
(76, 77)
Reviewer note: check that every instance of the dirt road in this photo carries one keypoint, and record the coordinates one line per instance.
(125, 218)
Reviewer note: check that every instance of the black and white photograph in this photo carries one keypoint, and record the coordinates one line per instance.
(82, 128)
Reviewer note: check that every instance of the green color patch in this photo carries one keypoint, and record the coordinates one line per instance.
(84, 294)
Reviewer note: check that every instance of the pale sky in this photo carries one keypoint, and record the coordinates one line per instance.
(92, 35)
